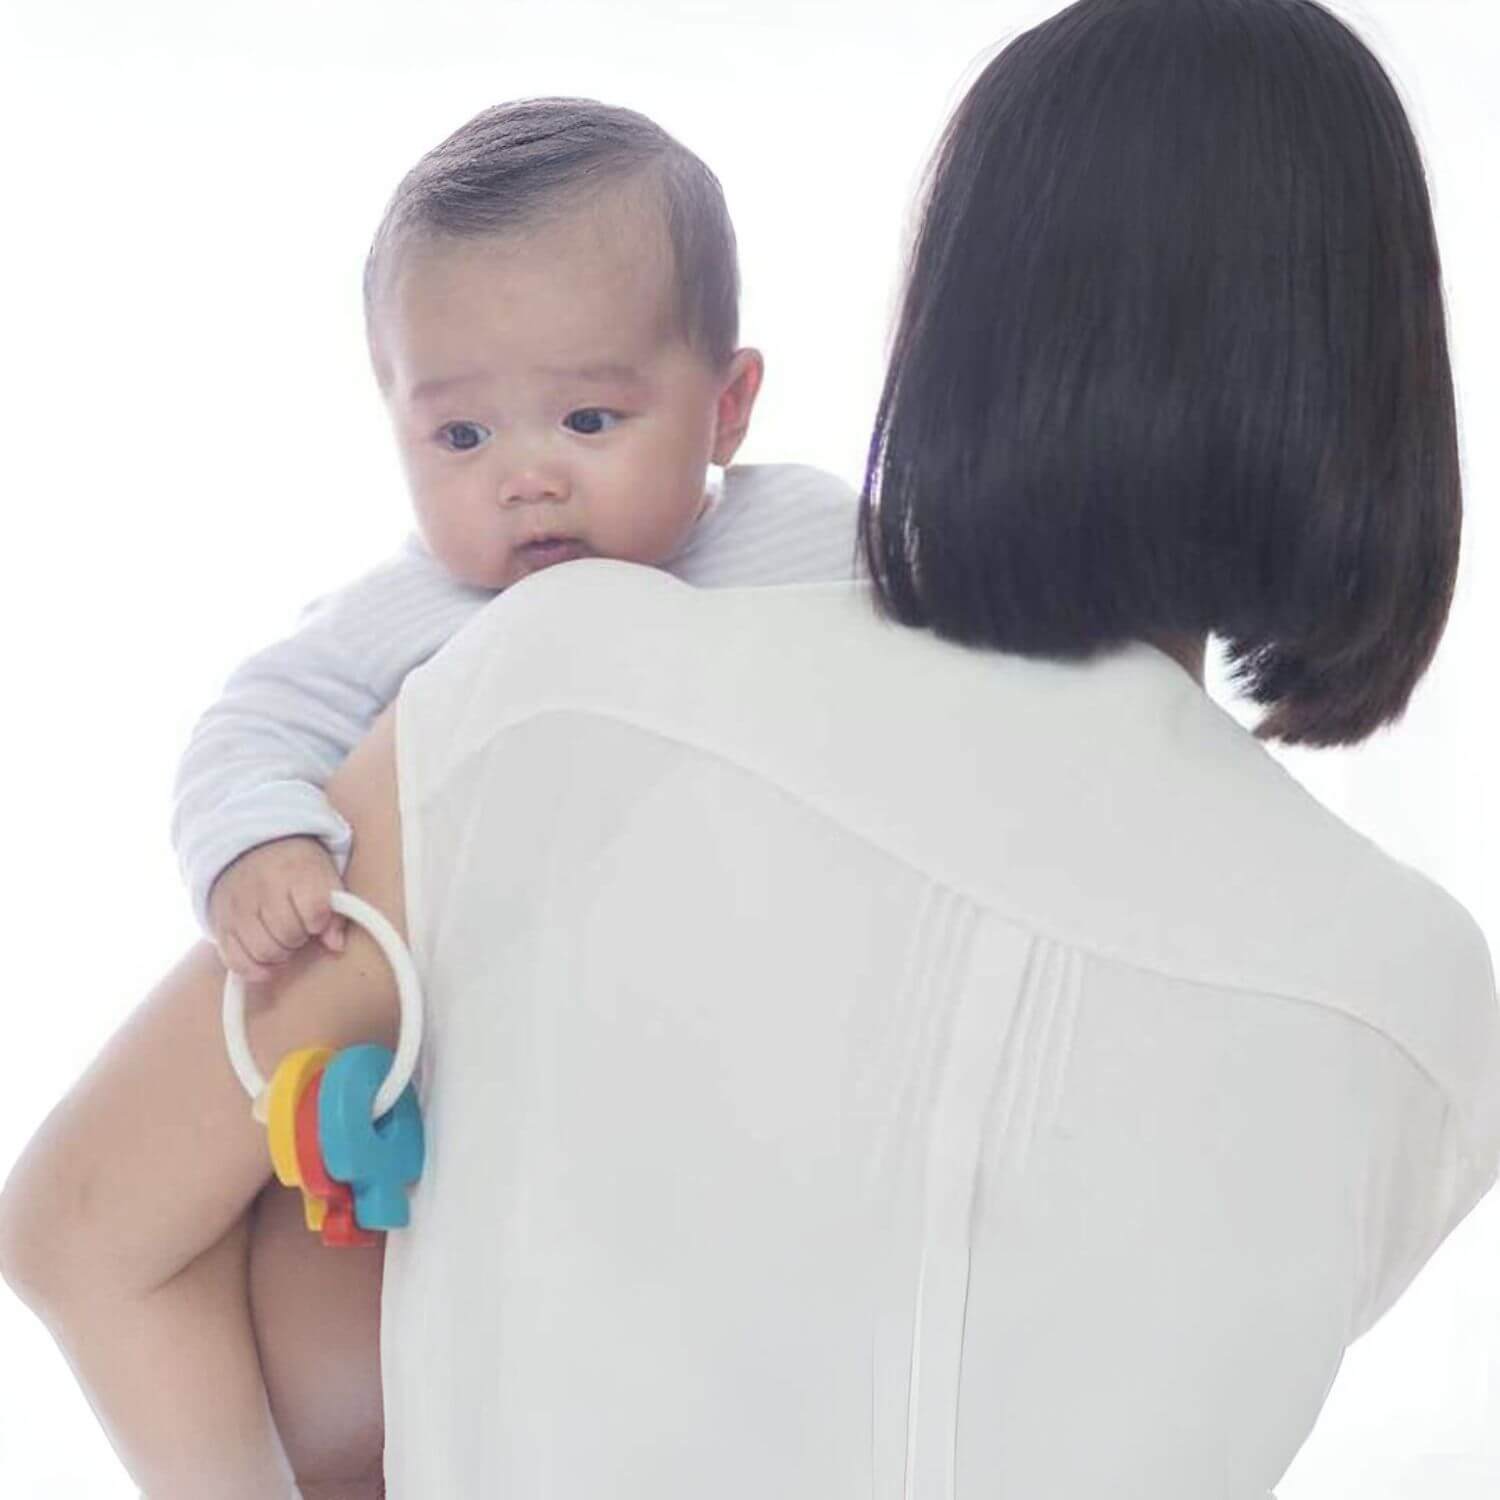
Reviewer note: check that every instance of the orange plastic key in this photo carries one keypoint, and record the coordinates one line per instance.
(338, 1225)
(288, 1086)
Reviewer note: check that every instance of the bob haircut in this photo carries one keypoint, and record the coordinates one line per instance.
(515, 164)
(1172, 357)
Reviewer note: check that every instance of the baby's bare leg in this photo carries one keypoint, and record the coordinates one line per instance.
(316, 1313)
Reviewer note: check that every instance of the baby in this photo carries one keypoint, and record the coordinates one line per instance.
(551, 303)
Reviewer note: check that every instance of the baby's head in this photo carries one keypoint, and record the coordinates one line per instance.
(552, 305)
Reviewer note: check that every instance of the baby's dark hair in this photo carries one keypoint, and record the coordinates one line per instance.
(515, 164)
(1173, 358)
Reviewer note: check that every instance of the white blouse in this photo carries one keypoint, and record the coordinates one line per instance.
(865, 1068)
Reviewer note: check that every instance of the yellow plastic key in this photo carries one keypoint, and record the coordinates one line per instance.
(314, 1211)
(282, 1096)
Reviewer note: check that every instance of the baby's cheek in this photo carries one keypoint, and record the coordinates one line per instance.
(671, 505)
(453, 533)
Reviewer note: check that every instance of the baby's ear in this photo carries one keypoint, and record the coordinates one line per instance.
(737, 393)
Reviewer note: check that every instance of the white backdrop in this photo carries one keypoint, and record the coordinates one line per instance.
(193, 449)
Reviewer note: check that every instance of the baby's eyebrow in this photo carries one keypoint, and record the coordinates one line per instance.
(424, 388)
(615, 370)
(600, 370)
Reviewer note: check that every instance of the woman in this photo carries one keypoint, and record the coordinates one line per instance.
(940, 1061)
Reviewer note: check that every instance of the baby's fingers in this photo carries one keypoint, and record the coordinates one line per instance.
(270, 942)
(312, 901)
(238, 961)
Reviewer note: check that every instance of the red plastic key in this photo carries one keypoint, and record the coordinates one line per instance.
(339, 1226)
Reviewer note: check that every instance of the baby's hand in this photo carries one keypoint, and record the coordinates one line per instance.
(270, 902)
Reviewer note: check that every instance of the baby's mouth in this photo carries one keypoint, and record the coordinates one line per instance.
(552, 549)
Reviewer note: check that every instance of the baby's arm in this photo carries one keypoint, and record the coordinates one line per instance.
(259, 757)
(259, 846)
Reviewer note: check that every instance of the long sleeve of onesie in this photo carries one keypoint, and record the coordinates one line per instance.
(258, 759)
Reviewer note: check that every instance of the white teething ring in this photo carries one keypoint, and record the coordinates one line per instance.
(408, 987)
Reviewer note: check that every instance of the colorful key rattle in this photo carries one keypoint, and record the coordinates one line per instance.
(343, 1127)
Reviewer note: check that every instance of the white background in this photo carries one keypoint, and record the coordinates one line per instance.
(193, 449)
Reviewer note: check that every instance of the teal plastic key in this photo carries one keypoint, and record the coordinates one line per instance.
(378, 1158)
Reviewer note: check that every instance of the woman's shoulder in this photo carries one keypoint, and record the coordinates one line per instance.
(1119, 773)
(592, 623)
(1109, 803)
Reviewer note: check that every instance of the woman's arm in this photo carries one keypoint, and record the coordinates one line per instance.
(124, 1221)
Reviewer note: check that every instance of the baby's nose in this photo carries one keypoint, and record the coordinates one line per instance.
(533, 475)
(533, 484)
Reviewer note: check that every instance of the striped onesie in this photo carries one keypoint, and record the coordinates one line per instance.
(258, 759)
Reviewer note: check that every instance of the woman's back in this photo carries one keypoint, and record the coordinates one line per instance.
(860, 1065)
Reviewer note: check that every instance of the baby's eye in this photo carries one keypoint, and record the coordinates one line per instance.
(463, 437)
(590, 420)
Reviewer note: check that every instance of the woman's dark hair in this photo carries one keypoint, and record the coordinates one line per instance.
(515, 164)
(1172, 358)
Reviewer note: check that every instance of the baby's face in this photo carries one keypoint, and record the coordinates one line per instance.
(543, 405)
